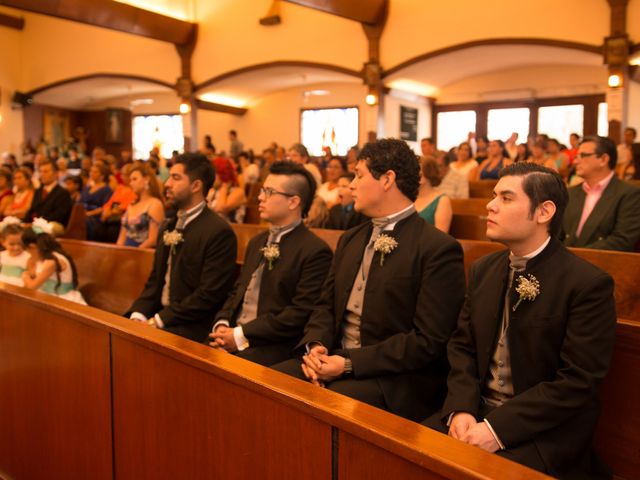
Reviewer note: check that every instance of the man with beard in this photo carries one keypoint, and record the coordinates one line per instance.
(195, 260)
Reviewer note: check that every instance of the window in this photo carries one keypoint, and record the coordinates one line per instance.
(454, 128)
(603, 119)
(162, 131)
(560, 121)
(502, 122)
(336, 128)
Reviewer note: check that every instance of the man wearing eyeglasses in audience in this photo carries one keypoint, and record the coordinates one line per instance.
(604, 212)
(284, 269)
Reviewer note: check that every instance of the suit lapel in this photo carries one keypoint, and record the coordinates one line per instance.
(600, 211)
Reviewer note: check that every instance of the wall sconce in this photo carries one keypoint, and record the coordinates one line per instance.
(185, 107)
(615, 80)
(371, 99)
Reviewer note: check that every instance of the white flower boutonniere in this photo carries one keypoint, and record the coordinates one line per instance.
(271, 253)
(384, 244)
(528, 289)
(171, 239)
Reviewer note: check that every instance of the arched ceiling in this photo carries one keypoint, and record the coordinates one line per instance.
(428, 76)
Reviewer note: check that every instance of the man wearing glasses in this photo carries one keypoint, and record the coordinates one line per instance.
(284, 269)
(603, 212)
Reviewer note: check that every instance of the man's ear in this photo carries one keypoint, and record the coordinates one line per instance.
(197, 186)
(546, 211)
(388, 179)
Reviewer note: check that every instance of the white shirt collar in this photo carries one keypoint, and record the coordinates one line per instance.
(538, 250)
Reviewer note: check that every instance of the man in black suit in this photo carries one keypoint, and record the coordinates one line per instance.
(195, 260)
(603, 212)
(265, 314)
(392, 297)
(50, 201)
(534, 339)
(343, 215)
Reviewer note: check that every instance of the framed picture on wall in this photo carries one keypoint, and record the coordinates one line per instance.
(115, 126)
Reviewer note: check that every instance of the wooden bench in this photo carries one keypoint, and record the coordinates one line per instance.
(469, 220)
(616, 438)
(481, 188)
(77, 225)
(87, 394)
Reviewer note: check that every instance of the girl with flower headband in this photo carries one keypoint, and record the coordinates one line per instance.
(50, 269)
(13, 259)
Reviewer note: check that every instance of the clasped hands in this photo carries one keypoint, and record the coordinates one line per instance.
(320, 367)
(465, 428)
(223, 339)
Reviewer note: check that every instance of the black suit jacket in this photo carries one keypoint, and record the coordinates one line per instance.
(560, 346)
(614, 223)
(339, 220)
(288, 291)
(56, 207)
(202, 273)
(411, 304)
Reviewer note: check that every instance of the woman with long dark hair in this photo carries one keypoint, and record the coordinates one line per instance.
(50, 269)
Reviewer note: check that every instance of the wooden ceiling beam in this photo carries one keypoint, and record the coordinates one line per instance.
(112, 15)
(370, 12)
(11, 22)
(217, 107)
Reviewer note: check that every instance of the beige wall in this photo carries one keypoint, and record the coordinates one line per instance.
(524, 83)
(230, 37)
(11, 129)
(276, 117)
(54, 49)
(633, 114)
(415, 27)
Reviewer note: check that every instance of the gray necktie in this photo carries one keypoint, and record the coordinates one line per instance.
(182, 219)
(378, 226)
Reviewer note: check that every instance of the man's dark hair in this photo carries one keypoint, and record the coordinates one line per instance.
(198, 167)
(541, 184)
(233, 132)
(427, 139)
(301, 149)
(431, 172)
(349, 176)
(604, 145)
(393, 154)
(48, 162)
(300, 182)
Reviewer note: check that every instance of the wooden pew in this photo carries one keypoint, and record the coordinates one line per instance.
(469, 218)
(616, 439)
(77, 225)
(93, 395)
(481, 188)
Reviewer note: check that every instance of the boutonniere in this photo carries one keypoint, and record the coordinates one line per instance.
(271, 253)
(384, 244)
(172, 238)
(528, 288)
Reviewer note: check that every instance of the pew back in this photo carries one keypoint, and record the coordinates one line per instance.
(123, 400)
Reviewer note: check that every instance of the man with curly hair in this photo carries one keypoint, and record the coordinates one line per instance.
(392, 297)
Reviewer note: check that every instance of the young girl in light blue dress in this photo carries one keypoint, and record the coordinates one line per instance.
(50, 269)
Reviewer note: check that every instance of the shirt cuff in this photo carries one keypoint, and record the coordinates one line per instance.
(138, 317)
(495, 435)
(450, 418)
(241, 341)
(158, 320)
(218, 323)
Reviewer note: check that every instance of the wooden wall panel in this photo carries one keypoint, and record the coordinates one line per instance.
(183, 422)
(55, 409)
